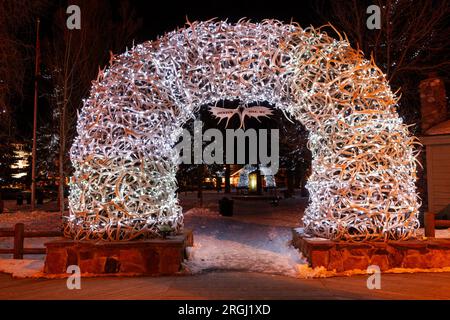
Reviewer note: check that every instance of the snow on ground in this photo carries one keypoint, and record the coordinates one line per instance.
(232, 243)
(221, 244)
(256, 239)
(26, 268)
(438, 233)
(33, 221)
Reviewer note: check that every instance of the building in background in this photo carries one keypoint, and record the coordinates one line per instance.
(436, 140)
(21, 164)
(437, 144)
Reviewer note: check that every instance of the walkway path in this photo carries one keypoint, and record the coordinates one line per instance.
(256, 238)
(231, 285)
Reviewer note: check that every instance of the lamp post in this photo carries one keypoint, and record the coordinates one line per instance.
(33, 164)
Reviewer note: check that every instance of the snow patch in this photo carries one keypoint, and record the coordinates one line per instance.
(232, 243)
(210, 253)
(22, 268)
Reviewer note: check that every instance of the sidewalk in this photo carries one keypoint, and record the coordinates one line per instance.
(231, 285)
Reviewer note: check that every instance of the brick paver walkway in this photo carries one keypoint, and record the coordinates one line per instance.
(231, 285)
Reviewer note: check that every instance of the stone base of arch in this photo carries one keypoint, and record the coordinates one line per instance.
(153, 257)
(341, 256)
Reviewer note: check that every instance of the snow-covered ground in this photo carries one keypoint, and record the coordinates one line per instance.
(33, 221)
(439, 233)
(229, 244)
(36, 221)
(256, 238)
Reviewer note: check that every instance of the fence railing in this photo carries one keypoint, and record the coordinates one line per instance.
(431, 223)
(19, 234)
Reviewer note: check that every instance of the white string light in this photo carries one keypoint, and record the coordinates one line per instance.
(362, 185)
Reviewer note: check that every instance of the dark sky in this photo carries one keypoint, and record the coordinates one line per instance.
(159, 17)
(168, 15)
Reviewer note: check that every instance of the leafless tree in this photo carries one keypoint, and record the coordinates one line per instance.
(411, 43)
(17, 52)
(73, 58)
(17, 28)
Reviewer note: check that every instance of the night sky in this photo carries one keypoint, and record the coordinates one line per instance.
(168, 15)
(161, 17)
(158, 17)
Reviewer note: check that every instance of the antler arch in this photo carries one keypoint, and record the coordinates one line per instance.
(362, 183)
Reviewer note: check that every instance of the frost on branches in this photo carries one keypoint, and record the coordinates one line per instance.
(363, 169)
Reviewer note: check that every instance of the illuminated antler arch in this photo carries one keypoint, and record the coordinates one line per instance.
(362, 184)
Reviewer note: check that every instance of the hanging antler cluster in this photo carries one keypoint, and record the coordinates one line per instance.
(362, 185)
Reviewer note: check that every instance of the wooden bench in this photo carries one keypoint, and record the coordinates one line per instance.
(431, 223)
(19, 234)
